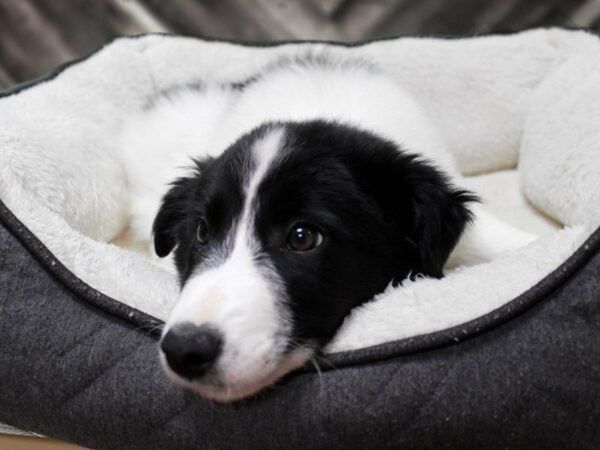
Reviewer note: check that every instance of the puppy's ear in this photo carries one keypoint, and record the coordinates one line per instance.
(418, 202)
(440, 215)
(173, 210)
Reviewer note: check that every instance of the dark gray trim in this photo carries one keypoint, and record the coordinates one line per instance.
(56, 268)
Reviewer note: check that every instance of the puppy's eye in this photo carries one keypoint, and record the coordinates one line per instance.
(202, 232)
(303, 237)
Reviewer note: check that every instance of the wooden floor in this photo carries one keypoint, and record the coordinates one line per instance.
(36, 35)
(17, 442)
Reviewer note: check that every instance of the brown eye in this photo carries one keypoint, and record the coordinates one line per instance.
(303, 238)
(202, 234)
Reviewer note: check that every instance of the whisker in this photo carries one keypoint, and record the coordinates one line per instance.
(150, 330)
(319, 373)
(328, 363)
(313, 361)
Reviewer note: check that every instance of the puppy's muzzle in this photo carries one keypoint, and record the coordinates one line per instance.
(191, 350)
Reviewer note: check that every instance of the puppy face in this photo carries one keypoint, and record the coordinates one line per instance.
(280, 237)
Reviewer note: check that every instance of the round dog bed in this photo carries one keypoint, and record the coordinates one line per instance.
(501, 354)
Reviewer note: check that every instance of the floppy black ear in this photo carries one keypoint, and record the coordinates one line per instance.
(173, 210)
(422, 207)
(440, 216)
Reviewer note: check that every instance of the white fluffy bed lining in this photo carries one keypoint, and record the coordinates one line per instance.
(529, 100)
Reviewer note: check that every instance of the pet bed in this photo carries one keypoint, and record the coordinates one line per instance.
(498, 355)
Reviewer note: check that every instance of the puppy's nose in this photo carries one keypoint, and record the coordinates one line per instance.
(191, 350)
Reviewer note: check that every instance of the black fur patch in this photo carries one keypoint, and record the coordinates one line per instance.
(385, 214)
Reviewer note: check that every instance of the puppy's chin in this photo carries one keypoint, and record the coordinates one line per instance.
(219, 391)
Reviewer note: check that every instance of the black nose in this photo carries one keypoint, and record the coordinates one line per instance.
(190, 349)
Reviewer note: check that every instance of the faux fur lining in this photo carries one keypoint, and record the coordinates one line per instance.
(495, 100)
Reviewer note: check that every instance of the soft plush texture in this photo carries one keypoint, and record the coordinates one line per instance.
(525, 101)
(63, 174)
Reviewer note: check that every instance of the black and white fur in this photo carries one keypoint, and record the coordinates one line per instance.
(338, 149)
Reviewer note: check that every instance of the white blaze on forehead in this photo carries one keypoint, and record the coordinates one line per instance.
(239, 297)
(264, 152)
(241, 256)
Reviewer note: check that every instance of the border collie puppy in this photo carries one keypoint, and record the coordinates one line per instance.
(316, 184)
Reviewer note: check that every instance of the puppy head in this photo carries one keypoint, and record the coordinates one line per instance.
(281, 236)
